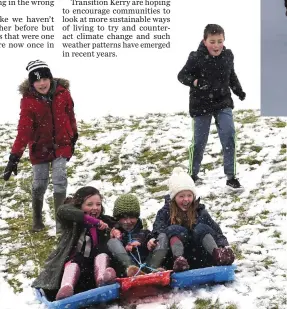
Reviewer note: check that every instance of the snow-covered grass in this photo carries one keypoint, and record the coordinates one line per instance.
(137, 154)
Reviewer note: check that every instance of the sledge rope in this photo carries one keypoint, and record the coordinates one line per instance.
(141, 265)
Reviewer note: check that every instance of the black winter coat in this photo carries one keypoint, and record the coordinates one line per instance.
(162, 221)
(216, 74)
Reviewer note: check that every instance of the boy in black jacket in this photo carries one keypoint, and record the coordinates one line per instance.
(209, 72)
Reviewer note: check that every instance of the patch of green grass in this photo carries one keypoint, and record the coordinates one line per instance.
(177, 147)
(135, 188)
(104, 147)
(267, 262)
(71, 171)
(202, 303)
(279, 123)
(207, 166)
(206, 303)
(277, 168)
(165, 170)
(282, 151)
(276, 234)
(237, 252)
(256, 148)
(157, 189)
(135, 125)
(146, 174)
(252, 118)
(151, 216)
(149, 156)
(231, 306)
(270, 197)
(211, 196)
(283, 159)
(117, 179)
(249, 160)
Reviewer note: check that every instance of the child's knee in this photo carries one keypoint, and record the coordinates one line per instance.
(163, 240)
(178, 231)
(200, 230)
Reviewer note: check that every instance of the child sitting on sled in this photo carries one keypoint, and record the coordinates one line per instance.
(128, 243)
(80, 262)
(190, 228)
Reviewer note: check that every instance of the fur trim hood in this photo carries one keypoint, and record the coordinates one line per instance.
(24, 86)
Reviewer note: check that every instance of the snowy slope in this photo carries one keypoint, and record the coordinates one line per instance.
(137, 154)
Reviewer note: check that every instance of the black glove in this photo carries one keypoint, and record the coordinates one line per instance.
(202, 84)
(73, 141)
(11, 166)
(242, 96)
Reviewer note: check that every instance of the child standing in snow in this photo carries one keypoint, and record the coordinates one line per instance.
(80, 261)
(210, 74)
(47, 124)
(128, 243)
(190, 228)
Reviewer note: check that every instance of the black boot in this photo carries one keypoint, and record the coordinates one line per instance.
(58, 201)
(37, 205)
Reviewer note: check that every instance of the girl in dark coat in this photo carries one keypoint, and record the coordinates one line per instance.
(190, 228)
(80, 261)
(48, 126)
(128, 243)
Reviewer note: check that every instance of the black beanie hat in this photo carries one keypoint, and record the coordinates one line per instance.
(83, 193)
(38, 69)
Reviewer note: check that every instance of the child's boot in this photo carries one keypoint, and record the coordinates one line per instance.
(180, 264)
(223, 256)
(103, 274)
(70, 278)
(58, 201)
(37, 205)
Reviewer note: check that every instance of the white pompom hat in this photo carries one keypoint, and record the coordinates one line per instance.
(180, 181)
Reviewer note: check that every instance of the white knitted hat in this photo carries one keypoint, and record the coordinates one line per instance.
(180, 181)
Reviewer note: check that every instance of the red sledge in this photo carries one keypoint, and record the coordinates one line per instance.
(142, 286)
(154, 279)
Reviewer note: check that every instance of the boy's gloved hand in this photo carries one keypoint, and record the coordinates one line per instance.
(242, 96)
(201, 83)
(11, 166)
(73, 141)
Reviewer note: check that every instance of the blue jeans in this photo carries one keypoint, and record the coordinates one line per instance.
(226, 131)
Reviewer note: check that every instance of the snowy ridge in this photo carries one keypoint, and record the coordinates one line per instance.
(137, 154)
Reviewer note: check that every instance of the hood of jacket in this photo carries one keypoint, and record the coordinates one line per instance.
(24, 87)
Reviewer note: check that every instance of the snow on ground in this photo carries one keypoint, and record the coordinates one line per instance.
(137, 154)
